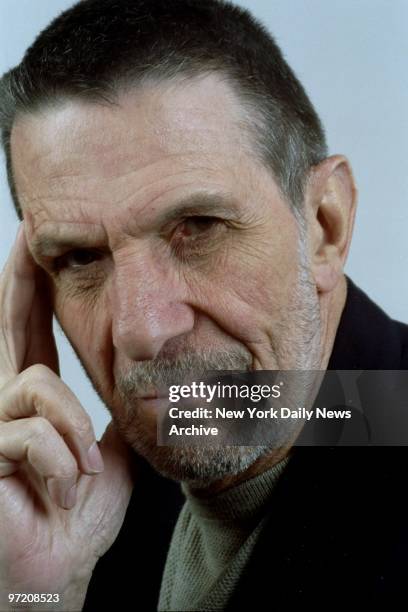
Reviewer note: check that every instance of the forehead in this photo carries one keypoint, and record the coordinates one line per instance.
(85, 162)
(198, 116)
(168, 113)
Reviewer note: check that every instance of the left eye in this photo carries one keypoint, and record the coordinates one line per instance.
(77, 258)
(194, 226)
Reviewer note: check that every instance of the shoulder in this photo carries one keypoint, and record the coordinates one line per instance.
(367, 338)
(402, 332)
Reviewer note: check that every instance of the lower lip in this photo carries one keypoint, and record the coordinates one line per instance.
(152, 398)
(151, 412)
(154, 403)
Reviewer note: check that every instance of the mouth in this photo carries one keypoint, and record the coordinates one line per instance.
(153, 395)
(154, 406)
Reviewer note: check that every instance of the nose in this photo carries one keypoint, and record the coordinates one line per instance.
(148, 310)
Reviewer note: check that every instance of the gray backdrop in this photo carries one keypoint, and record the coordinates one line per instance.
(351, 55)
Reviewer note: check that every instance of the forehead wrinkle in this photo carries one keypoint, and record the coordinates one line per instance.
(156, 115)
(146, 140)
(196, 203)
(53, 235)
(203, 155)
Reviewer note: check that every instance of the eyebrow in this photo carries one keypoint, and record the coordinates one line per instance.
(56, 237)
(201, 204)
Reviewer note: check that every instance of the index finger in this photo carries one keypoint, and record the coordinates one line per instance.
(17, 292)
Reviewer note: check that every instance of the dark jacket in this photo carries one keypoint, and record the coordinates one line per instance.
(337, 530)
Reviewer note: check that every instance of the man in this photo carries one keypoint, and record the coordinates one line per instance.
(179, 213)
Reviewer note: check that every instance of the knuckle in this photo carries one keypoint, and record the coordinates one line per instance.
(83, 426)
(45, 441)
(36, 373)
(41, 427)
(67, 468)
(35, 388)
(32, 381)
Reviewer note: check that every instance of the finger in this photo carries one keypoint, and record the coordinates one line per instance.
(35, 441)
(17, 288)
(41, 345)
(40, 392)
(26, 313)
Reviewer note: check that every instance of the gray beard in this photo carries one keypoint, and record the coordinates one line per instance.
(195, 465)
(201, 466)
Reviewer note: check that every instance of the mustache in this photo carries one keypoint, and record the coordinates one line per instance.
(159, 374)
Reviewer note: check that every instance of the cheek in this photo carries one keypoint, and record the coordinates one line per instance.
(254, 286)
(88, 328)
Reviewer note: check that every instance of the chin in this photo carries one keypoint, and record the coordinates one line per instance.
(200, 467)
(194, 465)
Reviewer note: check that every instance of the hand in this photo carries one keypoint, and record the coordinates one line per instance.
(63, 497)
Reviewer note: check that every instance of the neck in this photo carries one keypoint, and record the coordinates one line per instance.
(331, 308)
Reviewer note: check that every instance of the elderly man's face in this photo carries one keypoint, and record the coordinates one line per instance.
(169, 246)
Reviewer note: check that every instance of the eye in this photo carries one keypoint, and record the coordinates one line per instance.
(196, 226)
(77, 258)
(198, 236)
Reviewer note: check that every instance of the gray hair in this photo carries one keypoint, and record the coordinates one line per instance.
(98, 47)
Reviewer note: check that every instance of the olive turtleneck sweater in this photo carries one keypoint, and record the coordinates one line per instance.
(211, 543)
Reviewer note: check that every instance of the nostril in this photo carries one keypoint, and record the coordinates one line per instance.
(143, 332)
(137, 347)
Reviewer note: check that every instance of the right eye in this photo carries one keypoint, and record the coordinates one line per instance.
(77, 258)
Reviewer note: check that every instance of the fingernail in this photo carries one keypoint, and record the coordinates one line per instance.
(70, 497)
(95, 459)
(57, 488)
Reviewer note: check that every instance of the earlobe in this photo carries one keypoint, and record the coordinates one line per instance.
(331, 202)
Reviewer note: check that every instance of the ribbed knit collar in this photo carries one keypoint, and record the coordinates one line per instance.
(239, 503)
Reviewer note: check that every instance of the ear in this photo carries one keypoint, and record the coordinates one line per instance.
(331, 199)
